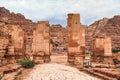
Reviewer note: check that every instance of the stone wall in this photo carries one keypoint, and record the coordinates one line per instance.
(76, 39)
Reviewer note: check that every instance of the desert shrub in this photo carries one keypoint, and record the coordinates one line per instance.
(26, 63)
(86, 66)
(115, 51)
(51, 41)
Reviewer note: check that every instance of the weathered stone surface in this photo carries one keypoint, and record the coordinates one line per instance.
(108, 27)
(41, 40)
(17, 36)
(102, 50)
(76, 39)
(3, 45)
(20, 34)
(58, 36)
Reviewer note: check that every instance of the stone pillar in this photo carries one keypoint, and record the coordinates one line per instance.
(47, 42)
(17, 40)
(108, 51)
(11, 54)
(3, 50)
(41, 42)
(98, 49)
(102, 50)
(28, 42)
(76, 40)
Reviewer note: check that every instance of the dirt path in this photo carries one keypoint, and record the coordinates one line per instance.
(53, 71)
(60, 59)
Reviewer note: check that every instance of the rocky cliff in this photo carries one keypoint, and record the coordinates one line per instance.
(105, 27)
(11, 18)
(58, 36)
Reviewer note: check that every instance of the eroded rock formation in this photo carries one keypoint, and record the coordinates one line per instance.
(109, 27)
(41, 42)
(58, 36)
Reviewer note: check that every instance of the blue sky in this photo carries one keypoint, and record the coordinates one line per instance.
(56, 10)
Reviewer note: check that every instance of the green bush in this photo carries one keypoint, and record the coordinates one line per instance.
(26, 63)
(51, 41)
(115, 51)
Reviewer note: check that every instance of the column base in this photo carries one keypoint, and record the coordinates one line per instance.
(108, 60)
(38, 59)
(79, 60)
(47, 58)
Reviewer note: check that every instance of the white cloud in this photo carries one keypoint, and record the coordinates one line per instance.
(90, 10)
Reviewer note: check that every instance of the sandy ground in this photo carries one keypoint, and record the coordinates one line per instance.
(54, 71)
(60, 59)
(58, 69)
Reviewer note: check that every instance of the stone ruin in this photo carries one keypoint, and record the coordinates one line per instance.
(3, 46)
(76, 40)
(41, 42)
(102, 50)
(21, 38)
(20, 44)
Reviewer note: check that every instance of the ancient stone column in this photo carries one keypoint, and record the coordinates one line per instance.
(108, 57)
(28, 42)
(76, 39)
(17, 40)
(98, 49)
(41, 42)
(102, 50)
(11, 54)
(3, 50)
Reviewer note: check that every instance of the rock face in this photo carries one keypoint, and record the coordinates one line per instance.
(109, 27)
(76, 39)
(58, 36)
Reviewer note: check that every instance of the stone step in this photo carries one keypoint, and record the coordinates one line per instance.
(9, 68)
(113, 74)
(12, 76)
(102, 76)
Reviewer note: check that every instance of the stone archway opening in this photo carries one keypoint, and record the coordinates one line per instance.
(58, 41)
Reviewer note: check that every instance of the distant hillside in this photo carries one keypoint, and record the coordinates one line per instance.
(106, 27)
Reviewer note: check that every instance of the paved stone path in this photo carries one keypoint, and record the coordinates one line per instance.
(53, 71)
